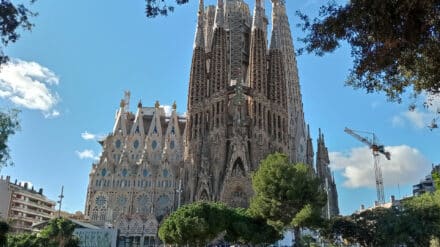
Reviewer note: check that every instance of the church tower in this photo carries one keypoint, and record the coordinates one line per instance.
(243, 102)
(328, 181)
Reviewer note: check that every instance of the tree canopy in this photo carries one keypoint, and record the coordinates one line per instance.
(287, 195)
(58, 233)
(9, 124)
(414, 223)
(13, 16)
(395, 44)
(161, 7)
(202, 222)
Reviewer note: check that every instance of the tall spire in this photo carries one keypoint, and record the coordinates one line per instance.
(218, 73)
(275, 42)
(197, 80)
(257, 72)
(258, 21)
(219, 14)
(200, 39)
(282, 40)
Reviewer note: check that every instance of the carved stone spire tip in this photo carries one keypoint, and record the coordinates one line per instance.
(219, 18)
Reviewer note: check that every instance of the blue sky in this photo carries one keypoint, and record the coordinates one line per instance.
(69, 74)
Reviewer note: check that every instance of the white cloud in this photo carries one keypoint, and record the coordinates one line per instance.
(422, 115)
(417, 118)
(88, 136)
(397, 121)
(27, 84)
(87, 154)
(433, 103)
(375, 104)
(407, 166)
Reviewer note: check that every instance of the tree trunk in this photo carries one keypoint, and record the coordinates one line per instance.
(297, 235)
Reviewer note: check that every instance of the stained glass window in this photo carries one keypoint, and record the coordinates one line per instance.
(122, 200)
(118, 143)
(100, 201)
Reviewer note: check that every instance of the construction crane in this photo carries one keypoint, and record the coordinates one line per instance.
(377, 149)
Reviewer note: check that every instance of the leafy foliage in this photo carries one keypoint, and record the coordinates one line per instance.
(200, 223)
(244, 228)
(13, 17)
(395, 44)
(415, 223)
(160, 7)
(368, 228)
(58, 233)
(287, 195)
(26, 240)
(9, 124)
(436, 180)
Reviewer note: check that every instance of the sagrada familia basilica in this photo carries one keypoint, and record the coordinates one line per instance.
(244, 102)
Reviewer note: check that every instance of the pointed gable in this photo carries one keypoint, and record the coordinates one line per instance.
(173, 140)
(120, 127)
(138, 125)
(153, 143)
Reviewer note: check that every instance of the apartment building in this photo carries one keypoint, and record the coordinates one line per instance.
(23, 206)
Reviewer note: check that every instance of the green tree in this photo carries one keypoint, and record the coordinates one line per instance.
(59, 233)
(161, 7)
(436, 180)
(415, 223)
(422, 218)
(4, 229)
(287, 195)
(26, 240)
(244, 228)
(9, 124)
(395, 44)
(368, 228)
(199, 223)
(195, 224)
(13, 16)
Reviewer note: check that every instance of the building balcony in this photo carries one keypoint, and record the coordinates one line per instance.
(33, 212)
(33, 204)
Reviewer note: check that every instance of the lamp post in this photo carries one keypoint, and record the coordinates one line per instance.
(61, 196)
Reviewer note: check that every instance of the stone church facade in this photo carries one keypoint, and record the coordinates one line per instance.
(244, 102)
(133, 185)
